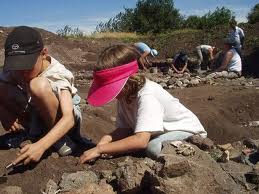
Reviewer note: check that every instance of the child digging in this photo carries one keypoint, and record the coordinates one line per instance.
(37, 98)
(147, 115)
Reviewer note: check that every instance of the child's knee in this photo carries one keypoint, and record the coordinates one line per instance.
(40, 86)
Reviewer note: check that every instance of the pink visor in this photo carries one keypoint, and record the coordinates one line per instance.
(108, 83)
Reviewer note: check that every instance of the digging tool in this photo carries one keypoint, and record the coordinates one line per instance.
(8, 168)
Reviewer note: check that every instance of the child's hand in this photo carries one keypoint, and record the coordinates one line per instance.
(29, 153)
(90, 155)
(12, 125)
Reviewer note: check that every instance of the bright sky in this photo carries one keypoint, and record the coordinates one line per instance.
(86, 14)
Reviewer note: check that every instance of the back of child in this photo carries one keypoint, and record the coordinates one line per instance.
(147, 113)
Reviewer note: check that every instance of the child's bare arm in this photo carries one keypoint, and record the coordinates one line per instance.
(65, 123)
(117, 134)
(135, 142)
(33, 152)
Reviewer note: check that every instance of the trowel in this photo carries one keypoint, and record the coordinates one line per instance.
(8, 168)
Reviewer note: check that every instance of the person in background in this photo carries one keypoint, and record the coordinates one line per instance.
(180, 63)
(232, 60)
(237, 35)
(145, 51)
(206, 54)
(147, 115)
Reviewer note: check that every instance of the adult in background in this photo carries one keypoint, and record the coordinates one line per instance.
(237, 35)
(232, 60)
(145, 51)
(206, 54)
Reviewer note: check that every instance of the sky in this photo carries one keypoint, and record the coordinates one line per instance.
(86, 14)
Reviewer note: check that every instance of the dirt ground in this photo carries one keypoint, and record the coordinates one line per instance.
(223, 110)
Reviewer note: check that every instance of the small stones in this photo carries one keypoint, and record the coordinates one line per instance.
(113, 119)
(55, 155)
(51, 187)
(194, 82)
(77, 180)
(179, 83)
(173, 80)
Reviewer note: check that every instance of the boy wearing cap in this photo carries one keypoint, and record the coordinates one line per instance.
(37, 98)
(145, 51)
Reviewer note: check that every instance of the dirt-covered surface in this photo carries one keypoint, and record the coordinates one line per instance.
(224, 106)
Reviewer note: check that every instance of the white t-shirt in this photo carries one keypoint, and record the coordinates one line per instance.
(59, 77)
(237, 34)
(205, 48)
(235, 63)
(156, 111)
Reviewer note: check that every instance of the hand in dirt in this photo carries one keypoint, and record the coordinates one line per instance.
(90, 155)
(29, 153)
(12, 125)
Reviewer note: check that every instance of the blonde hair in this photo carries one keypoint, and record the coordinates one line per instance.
(118, 55)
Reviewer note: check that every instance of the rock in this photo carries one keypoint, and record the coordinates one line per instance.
(153, 70)
(224, 147)
(179, 83)
(171, 87)
(186, 75)
(186, 81)
(1, 31)
(77, 180)
(200, 142)
(55, 155)
(11, 190)
(185, 149)
(172, 81)
(224, 74)
(51, 187)
(242, 78)
(94, 188)
(194, 82)
(210, 76)
(108, 175)
(113, 119)
(130, 175)
(232, 75)
(196, 174)
(253, 123)
(232, 168)
(176, 168)
(164, 85)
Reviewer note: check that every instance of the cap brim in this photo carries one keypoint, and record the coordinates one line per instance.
(20, 62)
(101, 95)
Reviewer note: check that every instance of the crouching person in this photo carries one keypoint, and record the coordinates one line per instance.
(232, 60)
(147, 115)
(38, 100)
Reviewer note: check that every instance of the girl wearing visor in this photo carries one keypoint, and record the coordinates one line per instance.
(147, 115)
